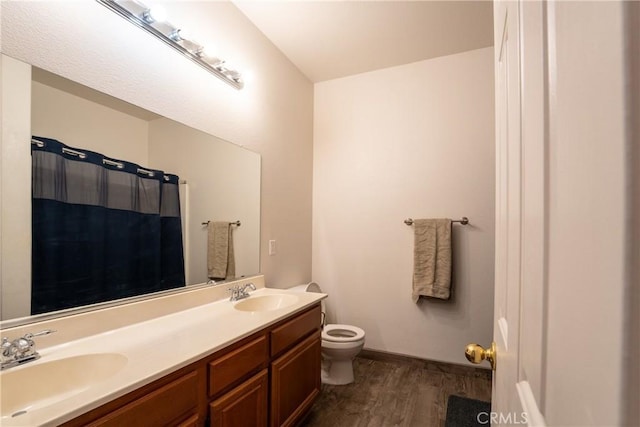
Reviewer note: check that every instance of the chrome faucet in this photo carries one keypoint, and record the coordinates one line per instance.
(20, 350)
(239, 292)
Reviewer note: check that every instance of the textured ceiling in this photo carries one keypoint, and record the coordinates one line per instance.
(332, 39)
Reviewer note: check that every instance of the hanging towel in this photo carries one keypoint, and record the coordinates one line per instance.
(432, 258)
(221, 262)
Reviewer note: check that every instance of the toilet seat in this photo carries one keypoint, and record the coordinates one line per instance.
(342, 333)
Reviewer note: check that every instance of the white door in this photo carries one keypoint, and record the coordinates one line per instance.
(562, 213)
(511, 220)
(520, 212)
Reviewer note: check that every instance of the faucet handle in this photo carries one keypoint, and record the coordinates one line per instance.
(235, 290)
(26, 346)
(244, 287)
(41, 333)
(8, 349)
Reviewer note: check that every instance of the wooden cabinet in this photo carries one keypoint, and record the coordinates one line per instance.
(245, 405)
(237, 364)
(173, 400)
(291, 350)
(295, 382)
(275, 370)
(163, 406)
(292, 331)
(192, 421)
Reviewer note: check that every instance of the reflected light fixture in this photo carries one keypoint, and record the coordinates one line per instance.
(153, 20)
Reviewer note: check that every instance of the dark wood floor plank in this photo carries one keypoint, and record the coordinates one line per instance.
(397, 391)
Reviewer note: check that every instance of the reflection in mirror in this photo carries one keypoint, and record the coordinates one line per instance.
(102, 228)
(219, 181)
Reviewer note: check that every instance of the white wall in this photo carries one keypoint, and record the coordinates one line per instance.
(223, 184)
(85, 42)
(15, 200)
(409, 141)
(115, 134)
(589, 216)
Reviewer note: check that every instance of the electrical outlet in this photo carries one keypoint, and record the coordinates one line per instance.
(272, 247)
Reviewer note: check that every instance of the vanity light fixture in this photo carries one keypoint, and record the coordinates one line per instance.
(153, 21)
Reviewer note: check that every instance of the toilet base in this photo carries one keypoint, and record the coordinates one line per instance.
(337, 372)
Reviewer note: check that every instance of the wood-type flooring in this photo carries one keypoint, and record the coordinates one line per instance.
(394, 390)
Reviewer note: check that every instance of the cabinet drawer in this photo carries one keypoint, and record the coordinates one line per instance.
(233, 366)
(160, 407)
(245, 405)
(288, 334)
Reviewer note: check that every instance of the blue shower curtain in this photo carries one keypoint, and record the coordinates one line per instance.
(103, 228)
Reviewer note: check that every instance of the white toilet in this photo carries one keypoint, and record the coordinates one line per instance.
(340, 345)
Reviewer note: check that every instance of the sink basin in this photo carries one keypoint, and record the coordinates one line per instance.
(29, 388)
(266, 302)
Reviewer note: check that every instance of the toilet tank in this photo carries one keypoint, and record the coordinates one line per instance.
(315, 288)
(307, 287)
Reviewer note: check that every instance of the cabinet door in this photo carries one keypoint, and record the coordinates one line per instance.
(295, 382)
(245, 405)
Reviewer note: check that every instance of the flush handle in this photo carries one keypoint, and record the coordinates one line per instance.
(476, 354)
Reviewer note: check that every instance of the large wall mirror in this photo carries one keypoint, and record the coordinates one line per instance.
(219, 181)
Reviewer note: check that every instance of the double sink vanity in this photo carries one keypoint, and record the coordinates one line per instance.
(189, 359)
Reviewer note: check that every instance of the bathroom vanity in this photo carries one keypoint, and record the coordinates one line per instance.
(262, 368)
(275, 372)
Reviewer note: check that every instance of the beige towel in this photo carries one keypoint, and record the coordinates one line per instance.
(432, 258)
(221, 263)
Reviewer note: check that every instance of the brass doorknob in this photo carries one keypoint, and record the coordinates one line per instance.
(476, 354)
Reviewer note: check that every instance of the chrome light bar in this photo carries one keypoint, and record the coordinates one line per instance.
(143, 17)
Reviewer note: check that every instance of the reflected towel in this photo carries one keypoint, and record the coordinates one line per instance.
(221, 262)
(432, 258)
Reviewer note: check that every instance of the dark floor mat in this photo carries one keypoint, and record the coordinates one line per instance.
(465, 412)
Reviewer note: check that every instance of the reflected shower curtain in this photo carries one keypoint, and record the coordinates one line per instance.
(103, 229)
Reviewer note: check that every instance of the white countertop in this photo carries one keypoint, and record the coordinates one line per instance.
(154, 348)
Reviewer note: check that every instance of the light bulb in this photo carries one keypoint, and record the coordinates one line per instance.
(184, 35)
(158, 13)
(230, 65)
(208, 54)
(233, 75)
(248, 75)
(220, 66)
(155, 14)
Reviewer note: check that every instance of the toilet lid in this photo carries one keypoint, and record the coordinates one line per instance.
(342, 333)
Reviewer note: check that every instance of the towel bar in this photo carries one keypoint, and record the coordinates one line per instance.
(463, 221)
(231, 223)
